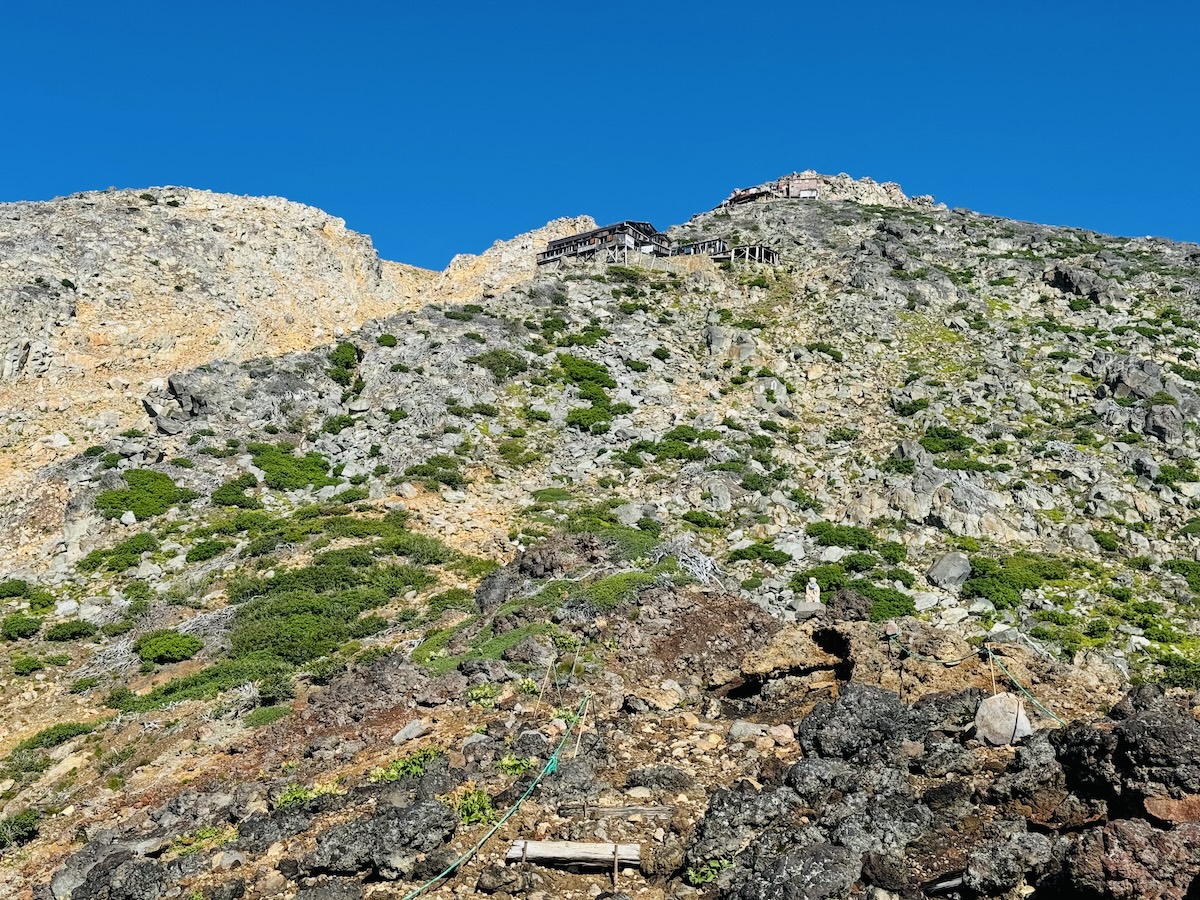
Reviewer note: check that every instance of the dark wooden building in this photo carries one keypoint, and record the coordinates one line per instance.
(622, 238)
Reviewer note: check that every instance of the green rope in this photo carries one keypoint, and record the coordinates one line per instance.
(895, 639)
(1013, 679)
(549, 769)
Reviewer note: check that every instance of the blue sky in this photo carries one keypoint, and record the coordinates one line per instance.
(438, 128)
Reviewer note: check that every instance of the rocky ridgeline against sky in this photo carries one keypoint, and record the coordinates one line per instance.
(308, 562)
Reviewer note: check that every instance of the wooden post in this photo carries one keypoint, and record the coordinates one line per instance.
(616, 860)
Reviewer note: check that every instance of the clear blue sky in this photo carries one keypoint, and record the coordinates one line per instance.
(439, 127)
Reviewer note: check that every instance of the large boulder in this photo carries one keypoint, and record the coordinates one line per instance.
(950, 570)
(386, 844)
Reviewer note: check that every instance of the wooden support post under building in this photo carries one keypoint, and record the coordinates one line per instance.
(576, 853)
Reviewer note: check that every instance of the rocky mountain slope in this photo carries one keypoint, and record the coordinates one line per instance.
(321, 615)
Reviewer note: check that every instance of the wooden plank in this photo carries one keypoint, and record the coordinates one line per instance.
(575, 853)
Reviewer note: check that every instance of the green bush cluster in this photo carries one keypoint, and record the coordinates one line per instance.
(166, 646)
(343, 360)
(337, 424)
(70, 630)
(601, 521)
(760, 552)
(56, 735)
(611, 592)
(702, 519)
(944, 439)
(439, 469)
(202, 685)
(265, 715)
(19, 829)
(503, 364)
(284, 471)
(826, 348)
(1002, 580)
(17, 626)
(851, 537)
(386, 340)
(122, 556)
(148, 494)
(233, 493)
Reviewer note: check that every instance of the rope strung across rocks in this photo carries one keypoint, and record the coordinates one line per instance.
(895, 639)
(549, 768)
(1013, 679)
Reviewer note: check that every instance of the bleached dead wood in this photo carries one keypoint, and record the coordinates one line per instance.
(575, 853)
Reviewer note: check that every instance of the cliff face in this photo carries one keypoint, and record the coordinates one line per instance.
(101, 293)
(333, 600)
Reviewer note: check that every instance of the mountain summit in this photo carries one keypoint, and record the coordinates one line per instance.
(822, 570)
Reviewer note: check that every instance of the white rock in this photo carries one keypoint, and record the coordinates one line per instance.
(1001, 720)
(128, 518)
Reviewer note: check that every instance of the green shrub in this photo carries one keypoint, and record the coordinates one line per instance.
(590, 418)
(804, 500)
(386, 340)
(553, 495)
(337, 424)
(16, 626)
(702, 519)
(122, 556)
(910, 407)
(166, 646)
(233, 493)
(503, 364)
(1107, 541)
(56, 735)
(636, 365)
(19, 829)
(859, 562)
(94, 451)
(851, 537)
(581, 371)
(892, 552)
(14, 587)
(760, 551)
(206, 550)
(284, 471)
(1002, 581)
(610, 592)
(344, 355)
(26, 665)
(842, 433)
(661, 353)
(886, 603)
(944, 439)
(265, 715)
(828, 349)
(149, 494)
(85, 684)
(201, 685)
(71, 630)
(898, 465)
(438, 469)
(1161, 398)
